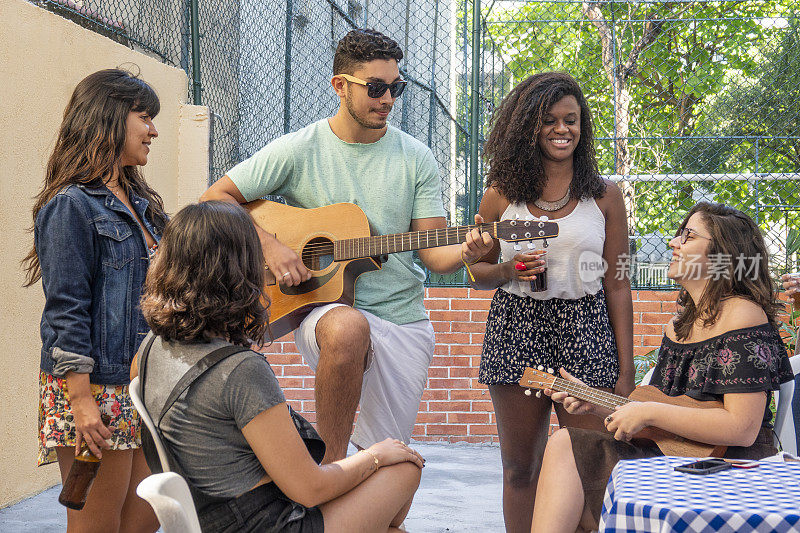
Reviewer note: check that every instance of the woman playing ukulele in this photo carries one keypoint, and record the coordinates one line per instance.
(722, 345)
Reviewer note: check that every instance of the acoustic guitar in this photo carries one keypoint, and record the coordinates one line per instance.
(336, 244)
(668, 443)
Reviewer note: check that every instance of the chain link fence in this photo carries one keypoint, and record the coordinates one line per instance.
(159, 29)
(692, 100)
(284, 65)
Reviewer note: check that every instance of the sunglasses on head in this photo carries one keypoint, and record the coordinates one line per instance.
(376, 89)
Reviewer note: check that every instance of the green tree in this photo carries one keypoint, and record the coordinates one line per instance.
(655, 73)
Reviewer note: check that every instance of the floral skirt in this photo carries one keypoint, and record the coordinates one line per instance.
(524, 332)
(57, 426)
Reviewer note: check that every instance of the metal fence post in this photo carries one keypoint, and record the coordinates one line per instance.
(287, 60)
(474, 163)
(197, 90)
(756, 184)
(615, 84)
(406, 95)
(432, 102)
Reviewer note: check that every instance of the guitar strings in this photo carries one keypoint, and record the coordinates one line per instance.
(595, 395)
(456, 231)
(586, 393)
(449, 232)
(367, 243)
(327, 248)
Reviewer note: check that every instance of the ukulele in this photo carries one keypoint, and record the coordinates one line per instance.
(668, 443)
(336, 245)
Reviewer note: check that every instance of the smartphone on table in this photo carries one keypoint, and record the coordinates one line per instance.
(704, 466)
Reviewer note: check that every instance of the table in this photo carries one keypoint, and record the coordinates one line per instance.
(648, 495)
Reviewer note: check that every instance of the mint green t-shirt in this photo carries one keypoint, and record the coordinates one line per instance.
(393, 180)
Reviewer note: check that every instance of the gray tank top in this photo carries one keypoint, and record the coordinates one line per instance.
(575, 266)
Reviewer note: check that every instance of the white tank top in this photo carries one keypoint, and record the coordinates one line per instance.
(575, 266)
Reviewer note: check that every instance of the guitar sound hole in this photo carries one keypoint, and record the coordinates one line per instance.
(317, 254)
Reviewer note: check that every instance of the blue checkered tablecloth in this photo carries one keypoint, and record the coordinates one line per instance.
(648, 495)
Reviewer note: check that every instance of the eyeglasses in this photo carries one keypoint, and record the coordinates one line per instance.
(686, 232)
(376, 89)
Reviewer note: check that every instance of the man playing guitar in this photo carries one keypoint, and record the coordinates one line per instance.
(378, 351)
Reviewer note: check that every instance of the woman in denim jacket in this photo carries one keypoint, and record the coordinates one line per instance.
(96, 222)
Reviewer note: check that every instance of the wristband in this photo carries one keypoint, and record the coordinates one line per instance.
(466, 265)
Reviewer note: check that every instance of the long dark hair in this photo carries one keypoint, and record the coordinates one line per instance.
(90, 143)
(207, 278)
(733, 235)
(512, 150)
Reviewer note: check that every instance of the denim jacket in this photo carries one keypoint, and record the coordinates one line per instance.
(94, 259)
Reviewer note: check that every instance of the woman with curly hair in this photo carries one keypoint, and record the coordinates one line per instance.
(96, 221)
(723, 345)
(542, 164)
(250, 460)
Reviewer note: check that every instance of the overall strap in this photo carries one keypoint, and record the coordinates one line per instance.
(201, 499)
(195, 372)
(143, 364)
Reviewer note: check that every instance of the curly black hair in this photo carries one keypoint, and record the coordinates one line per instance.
(362, 45)
(207, 278)
(512, 150)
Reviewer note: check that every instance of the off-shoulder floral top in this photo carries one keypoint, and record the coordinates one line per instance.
(750, 359)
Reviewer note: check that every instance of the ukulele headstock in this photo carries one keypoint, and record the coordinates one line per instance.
(537, 378)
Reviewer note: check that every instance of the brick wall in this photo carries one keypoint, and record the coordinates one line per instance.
(455, 407)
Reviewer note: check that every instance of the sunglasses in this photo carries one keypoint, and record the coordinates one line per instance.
(685, 233)
(376, 89)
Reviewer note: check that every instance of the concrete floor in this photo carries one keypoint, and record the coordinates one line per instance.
(460, 491)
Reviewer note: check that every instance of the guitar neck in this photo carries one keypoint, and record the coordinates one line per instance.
(405, 242)
(589, 394)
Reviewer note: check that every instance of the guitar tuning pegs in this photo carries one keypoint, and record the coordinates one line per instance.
(545, 244)
(531, 246)
(544, 218)
(528, 217)
(550, 371)
(516, 216)
(538, 394)
(527, 392)
(540, 367)
(517, 246)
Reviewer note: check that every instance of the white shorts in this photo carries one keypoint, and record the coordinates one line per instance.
(394, 380)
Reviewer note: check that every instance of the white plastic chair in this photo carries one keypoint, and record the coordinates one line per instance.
(167, 492)
(171, 500)
(784, 417)
(136, 396)
(647, 377)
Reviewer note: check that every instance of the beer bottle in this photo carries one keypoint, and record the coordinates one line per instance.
(81, 476)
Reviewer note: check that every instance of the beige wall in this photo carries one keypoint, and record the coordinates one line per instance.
(42, 58)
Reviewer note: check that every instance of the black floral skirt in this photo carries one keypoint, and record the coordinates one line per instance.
(554, 333)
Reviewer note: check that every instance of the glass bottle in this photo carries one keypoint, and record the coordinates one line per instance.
(80, 477)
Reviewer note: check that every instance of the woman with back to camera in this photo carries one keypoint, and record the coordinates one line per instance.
(542, 163)
(232, 434)
(722, 345)
(95, 222)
